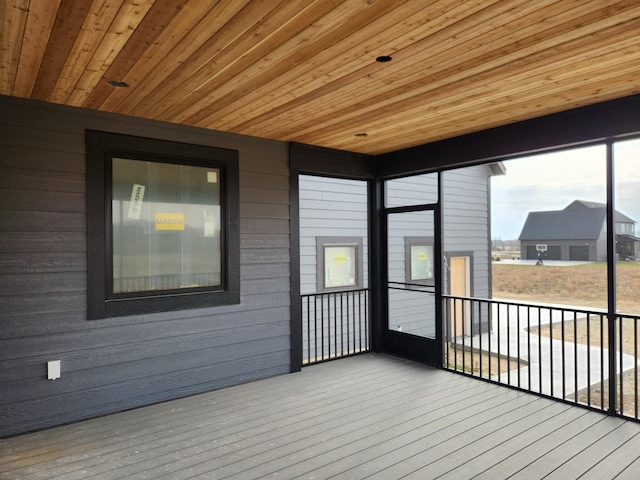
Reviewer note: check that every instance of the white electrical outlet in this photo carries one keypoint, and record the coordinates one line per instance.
(53, 369)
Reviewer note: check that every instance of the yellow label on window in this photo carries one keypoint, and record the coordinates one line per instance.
(340, 258)
(422, 256)
(169, 221)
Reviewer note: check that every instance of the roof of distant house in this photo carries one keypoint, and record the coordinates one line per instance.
(580, 220)
(620, 217)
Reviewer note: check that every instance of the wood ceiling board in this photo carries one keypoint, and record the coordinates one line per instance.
(419, 89)
(513, 72)
(356, 76)
(66, 28)
(283, 43)
(334, 36)
(447, 56)
(187, 33)
(439, 127)
(354, 53)
(435, 130)
(37, 31)
(126, 21)
(154, 22)
(14, 18)
(217, 55)
(92, 31)
(306, 71)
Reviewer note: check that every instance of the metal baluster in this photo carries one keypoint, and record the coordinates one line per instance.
(635, 365)
(551, 349)
(529, 343)
(564, 364)
(471, 334)
(575, 355)
(518, 338)
(498, 337)
(540, 349)
(602, 317)
(588, 359)
(621, 368)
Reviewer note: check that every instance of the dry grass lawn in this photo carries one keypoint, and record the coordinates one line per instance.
(581, 285)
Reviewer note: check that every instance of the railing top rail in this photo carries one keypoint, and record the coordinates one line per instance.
(334, 292)
(414, 287)
(631, 316)
(572, 308)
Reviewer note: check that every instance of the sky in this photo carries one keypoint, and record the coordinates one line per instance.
(552, 181)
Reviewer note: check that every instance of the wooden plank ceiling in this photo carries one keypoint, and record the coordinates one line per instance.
(306, 70)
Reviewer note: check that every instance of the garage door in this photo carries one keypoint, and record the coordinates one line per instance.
(579, 252)
(552, 253)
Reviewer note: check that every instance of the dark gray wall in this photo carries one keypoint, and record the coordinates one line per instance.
(119, 363)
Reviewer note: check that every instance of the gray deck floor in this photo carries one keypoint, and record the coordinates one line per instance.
(371, 416)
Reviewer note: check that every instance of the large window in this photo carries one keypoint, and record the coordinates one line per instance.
(163, 226)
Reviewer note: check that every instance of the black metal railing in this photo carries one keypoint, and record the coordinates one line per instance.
(556, 351)
(627, 395)
(335, 325)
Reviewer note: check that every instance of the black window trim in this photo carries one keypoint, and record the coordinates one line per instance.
(100, 148)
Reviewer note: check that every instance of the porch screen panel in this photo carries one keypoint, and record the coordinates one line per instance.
(626, 164)
(626, 156)
(410, 274)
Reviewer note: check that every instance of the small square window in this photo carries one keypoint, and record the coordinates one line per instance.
(340, 266)
(339, 263)
(419, 265)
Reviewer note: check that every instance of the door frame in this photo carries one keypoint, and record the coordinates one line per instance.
(420, 349)
(449, 256)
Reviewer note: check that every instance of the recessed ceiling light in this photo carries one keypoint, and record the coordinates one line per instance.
(361, 134)
(118, 83)
(383, 58)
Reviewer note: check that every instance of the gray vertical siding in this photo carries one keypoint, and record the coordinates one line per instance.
(119, 363)
(466, 226)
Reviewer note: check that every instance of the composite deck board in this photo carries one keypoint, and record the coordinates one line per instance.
(611, 466)
(630, 472)
(370, 416)
(592, 454)
(515, 458)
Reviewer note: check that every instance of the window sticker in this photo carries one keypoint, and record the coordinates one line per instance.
(169, 221)
(210, 223)
(135, 205)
